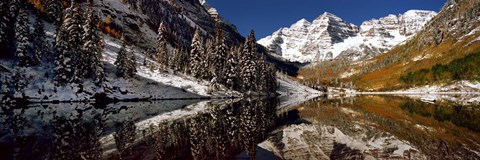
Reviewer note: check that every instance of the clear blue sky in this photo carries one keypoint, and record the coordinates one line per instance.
(267, 16)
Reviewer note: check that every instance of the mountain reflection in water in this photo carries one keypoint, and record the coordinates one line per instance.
(361, 127)
(380, 127)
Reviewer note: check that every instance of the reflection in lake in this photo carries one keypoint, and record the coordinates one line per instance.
(385, 127)
(362, 127)
(160, 130)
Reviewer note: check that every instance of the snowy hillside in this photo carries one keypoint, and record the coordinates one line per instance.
(329, 37)
(117, 52)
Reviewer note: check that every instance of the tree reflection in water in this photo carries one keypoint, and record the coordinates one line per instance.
(77, 131)
(221, 133)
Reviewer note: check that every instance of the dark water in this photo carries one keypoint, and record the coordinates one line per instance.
(159, 130)
(361, 127)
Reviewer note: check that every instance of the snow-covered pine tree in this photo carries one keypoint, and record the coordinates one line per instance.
(248, 69)
(63, 58)
(175, 61)
(209, 59)
(92, 47)
(21, 36)
(232, 69)
(125, 62)
(3, 21)
(219, 56)
(196, 58)
(262, 77)
(132, 64)
(122, 61)
(75, 31)
(162, 51)
(39, 45)
(185, 61)
(15, 6)
(53, 9)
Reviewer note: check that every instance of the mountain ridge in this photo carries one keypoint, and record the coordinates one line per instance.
(328, 36)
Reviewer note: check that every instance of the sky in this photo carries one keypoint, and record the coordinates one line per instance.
(267, 16)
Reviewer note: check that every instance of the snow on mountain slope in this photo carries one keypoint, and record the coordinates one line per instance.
(148, 84)
(329, 37)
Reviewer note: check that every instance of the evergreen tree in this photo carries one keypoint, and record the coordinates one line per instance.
(21, 36)
(219, 57)
(54, 9)
(92, 48)
(209, 59)
(3, 21)
(196, 58)
(248, 69)
(162, 51)
(64, 68)
(39, 45)
(15, 6)
(185, 61)
(175, 62)
(262, 78)
(125, 62)
(75, 32)
(271, 78)
(231, 69)
(132, 64)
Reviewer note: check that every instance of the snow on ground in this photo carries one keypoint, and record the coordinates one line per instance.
(421, 57)
(464, 92)
(185, 82)
(293, 93)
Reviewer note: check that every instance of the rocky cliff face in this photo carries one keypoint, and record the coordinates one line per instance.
(329, 37)
(457, 20)
(181, 17)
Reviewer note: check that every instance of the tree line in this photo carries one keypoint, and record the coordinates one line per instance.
(240, 68)
(466, 68)
(78, 49)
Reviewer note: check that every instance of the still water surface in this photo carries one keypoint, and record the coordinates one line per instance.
(360, 127)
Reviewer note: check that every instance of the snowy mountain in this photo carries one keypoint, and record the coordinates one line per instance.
(329, 37)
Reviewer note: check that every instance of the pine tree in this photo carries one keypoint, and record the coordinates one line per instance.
(3, 21)
(248, 68)
(262, 78)
(54, 9)
(232, 69)
(162, 51)
(132, 64)
(75, 32)
(185, 61)
(175, 62)
(64, 68)
(92, 48)
(125, 62)
(219, 56)
(39, 45)
(209, 59)
(196, 58)
(21, 35)
(15, 6)
(271, 78)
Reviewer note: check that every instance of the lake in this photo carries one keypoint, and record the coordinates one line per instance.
(358, 127)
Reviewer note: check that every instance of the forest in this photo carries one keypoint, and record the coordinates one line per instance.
(467, 68)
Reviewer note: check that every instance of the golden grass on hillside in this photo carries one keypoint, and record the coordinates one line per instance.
(388, 77)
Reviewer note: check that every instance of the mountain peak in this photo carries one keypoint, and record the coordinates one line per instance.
(303, 23)
(327, 15)
(328, 36)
